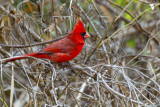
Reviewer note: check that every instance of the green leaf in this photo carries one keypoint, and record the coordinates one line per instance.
(127, 16)
(131, 43)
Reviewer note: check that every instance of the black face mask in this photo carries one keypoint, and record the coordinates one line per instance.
(83, 34)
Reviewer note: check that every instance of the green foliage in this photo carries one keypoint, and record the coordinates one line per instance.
(131, 43)
(53, 33)
(127, 16)
(43, 36)
(121, 2)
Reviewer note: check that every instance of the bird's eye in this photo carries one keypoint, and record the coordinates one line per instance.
(83, 34)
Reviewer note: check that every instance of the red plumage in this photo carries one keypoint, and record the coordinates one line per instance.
(62, 50)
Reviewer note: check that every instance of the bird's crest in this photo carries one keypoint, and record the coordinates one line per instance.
(79, 27)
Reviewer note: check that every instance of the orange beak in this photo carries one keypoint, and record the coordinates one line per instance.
(86, 36)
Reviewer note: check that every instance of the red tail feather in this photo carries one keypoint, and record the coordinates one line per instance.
(20, 57)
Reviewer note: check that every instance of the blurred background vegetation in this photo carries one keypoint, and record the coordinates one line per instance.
(119, 65)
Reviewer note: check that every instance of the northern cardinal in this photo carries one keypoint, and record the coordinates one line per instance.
(62, 50)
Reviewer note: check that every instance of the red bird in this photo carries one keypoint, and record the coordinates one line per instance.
(62, 50)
